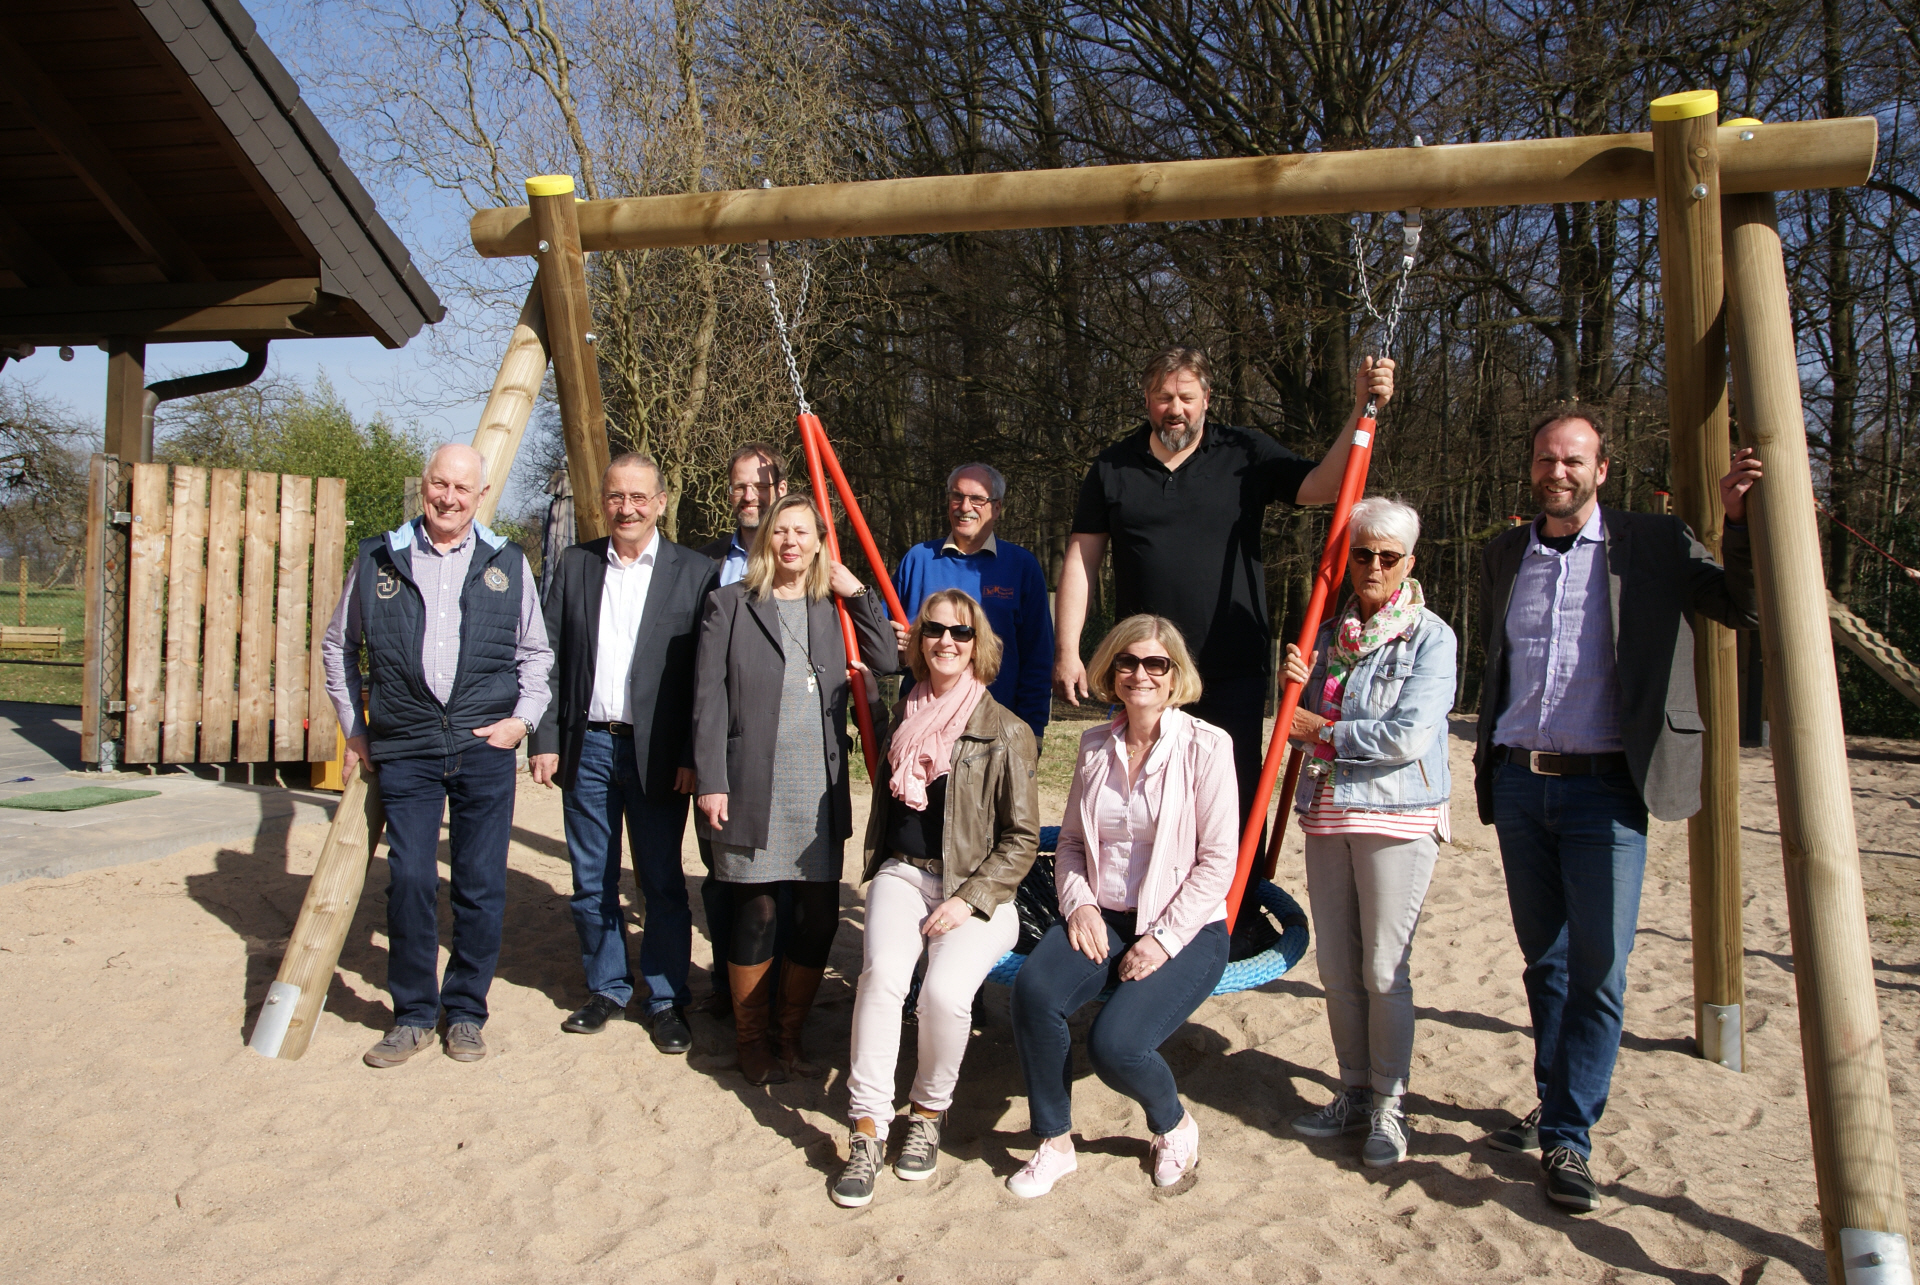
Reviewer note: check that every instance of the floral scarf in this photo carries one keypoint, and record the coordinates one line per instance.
(1354, 638)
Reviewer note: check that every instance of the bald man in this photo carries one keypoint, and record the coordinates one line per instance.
(457, 675)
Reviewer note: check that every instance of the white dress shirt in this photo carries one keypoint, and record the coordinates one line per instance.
(623, 601)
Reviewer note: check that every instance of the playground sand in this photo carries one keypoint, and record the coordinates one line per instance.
(143, 1142)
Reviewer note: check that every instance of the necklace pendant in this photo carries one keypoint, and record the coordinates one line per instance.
(812, 686)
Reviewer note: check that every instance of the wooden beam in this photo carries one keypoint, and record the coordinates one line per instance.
(1856, 1139)
(287, 308)
(1808, 154)
(1686, 149)
(126, 401)
(29, 260)
(562, 282)
(69, 135)
(503, 422)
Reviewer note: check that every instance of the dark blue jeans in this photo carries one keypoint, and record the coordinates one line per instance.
(474, 791)
(1574, 849)
(607, 788)
(1124, 1043)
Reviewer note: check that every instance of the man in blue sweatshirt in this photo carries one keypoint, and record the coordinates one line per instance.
(1003, 578)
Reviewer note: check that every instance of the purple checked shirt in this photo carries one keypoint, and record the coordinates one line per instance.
(1563, 693)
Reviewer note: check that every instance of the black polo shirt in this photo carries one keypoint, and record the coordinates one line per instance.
(1186, 542)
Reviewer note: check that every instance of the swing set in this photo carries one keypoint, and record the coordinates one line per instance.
(1725, 301)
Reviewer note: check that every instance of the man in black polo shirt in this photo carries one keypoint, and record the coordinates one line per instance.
(1182, 503)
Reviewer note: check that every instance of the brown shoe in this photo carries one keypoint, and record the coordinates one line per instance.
(464, 1043)
(401, 1043)
(798, 986)
(752, 1007)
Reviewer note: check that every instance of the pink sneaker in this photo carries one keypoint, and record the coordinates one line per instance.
(1175, 1155)
(1048, 1166)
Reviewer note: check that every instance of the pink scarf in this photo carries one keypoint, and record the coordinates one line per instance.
(922, 746)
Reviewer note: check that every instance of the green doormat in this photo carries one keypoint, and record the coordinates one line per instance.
(87, 796)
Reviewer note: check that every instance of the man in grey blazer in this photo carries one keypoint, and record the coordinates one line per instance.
(1589, 722)
(623, 614)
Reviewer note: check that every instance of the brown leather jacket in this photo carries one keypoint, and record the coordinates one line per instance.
(992, 824)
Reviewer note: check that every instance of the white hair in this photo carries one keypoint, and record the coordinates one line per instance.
(996, 485)
(1377, 515)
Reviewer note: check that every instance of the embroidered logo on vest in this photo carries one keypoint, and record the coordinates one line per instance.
(386, 586)
(496, 579)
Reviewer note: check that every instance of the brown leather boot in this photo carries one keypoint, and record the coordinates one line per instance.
(798, 986)
(752, 1007)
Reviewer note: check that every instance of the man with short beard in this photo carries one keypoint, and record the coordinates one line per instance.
(756, 477)
(1589, 722)
(1182, 502)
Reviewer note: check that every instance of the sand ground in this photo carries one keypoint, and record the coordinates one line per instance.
(141, 1140)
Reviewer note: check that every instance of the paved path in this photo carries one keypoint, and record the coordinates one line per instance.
(42, 743)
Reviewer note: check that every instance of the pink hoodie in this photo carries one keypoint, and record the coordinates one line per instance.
(1196, 842)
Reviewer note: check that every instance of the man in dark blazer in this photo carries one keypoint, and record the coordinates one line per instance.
(1589, 722)
(623, 613)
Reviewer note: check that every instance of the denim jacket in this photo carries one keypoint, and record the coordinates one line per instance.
(1390, 743)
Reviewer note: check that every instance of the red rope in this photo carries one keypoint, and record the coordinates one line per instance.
(1911, 573)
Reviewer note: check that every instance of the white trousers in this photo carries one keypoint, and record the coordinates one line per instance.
(899, 900)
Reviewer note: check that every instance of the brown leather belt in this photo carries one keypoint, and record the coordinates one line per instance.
(932, 865)
(1544, 763)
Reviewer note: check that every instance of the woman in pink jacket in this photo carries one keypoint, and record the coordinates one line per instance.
(1146, 856)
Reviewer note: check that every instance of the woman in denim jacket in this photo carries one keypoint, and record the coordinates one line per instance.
(1373, 800)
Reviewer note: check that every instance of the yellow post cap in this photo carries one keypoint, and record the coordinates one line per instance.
(550, 185)
(1739, 121)
(1686, 104)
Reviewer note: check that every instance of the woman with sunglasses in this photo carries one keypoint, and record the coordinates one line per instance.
(1371, 804)
(953, 829)
(1146, 856)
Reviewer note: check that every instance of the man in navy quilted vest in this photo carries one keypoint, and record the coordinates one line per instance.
(457, 663)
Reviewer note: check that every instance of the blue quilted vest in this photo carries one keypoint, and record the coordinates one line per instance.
(404, 718)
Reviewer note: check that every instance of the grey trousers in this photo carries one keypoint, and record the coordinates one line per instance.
(1366, 891)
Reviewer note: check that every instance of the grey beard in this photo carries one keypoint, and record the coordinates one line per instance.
(1176, 442)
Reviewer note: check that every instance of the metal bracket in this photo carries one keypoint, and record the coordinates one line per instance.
(1875, 1257)
(1720, 1034)
(119, 707)
(270, 1028)
(120, 517)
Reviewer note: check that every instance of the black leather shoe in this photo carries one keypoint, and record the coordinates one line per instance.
(669, 1030)
(593, 1019)
(1569, 1182)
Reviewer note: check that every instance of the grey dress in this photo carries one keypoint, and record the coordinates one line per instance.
(800, 842)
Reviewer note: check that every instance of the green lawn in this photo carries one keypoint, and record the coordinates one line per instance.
(45, 684)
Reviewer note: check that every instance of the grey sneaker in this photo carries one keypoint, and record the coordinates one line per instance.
(401, 1043)
(464, 1043)
(1345, 1114)
(864, 1158)
(1386, 1142)
(920, 1153)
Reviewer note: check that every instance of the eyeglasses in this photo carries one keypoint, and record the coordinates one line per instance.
(933, 631)
(1126, 662)
(748, 488)
(961, 500)
(1366, 557)
(634, 499)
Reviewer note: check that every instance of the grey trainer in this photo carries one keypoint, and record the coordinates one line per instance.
(864, 1158)
(1386, 1142)
(464, 1043)
(1345, 1114)
(401, 1043)
(920, 1153)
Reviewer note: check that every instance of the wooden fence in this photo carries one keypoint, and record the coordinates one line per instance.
(230, 578)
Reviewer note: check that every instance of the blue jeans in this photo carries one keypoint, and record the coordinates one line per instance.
(606, 788)
(1574, 849)
(1124, 1042)
(474, 790)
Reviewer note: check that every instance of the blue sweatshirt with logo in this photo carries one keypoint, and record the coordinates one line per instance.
(1006, 580)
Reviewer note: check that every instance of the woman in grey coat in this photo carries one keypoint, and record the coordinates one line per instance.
(770, 749)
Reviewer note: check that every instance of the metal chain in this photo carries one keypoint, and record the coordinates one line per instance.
(1409, 249)
(765, 259)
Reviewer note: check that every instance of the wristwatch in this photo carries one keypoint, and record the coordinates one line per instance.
(1325, 734)
(528, 724)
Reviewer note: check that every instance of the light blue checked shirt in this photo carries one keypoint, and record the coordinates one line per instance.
(1563, 693)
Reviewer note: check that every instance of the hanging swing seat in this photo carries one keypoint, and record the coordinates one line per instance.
(1258, 958)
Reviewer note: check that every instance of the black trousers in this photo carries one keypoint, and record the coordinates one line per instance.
(1237, 705)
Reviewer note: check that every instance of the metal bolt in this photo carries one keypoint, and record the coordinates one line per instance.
(1875, 1259)
(1724, 1018)
(590, 337)
(1746, 136)
(1699, 191)
(543, 247)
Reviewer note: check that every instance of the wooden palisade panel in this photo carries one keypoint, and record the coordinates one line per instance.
(146, 611)
(226, 532)
(186, 593)
(290, 632)
(258, 574)
(329, 550)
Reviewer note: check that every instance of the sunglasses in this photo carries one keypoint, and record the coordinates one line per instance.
(1126, 662)
(1365, 557)
(933, 631)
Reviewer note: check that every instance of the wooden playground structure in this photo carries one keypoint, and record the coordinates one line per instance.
(1724, 289)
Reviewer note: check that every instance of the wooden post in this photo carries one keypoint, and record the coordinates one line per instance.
(576, 369)
(104, 670)
(23, 590)
(285, 1025)
(515, 389)
(126, 401)
(1855, 1138)
(1686, 157)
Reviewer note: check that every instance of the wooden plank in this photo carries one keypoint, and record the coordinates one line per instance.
(290, 630)
(92, 678)
(146, 611)
(329, 552)
(225, 535)
(186, 602)
(259, 569)
(180, 297)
